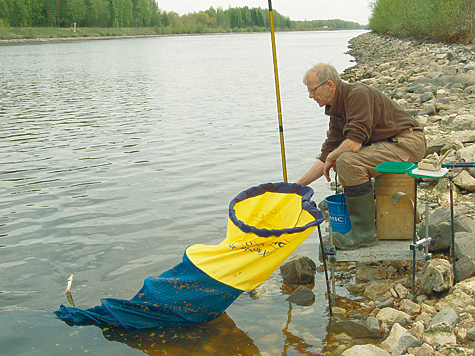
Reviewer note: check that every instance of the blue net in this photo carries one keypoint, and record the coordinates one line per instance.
(266, 224)
(180, 296)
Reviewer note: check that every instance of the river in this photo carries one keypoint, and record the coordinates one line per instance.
(118, 154)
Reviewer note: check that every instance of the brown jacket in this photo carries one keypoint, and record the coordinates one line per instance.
(363, 114)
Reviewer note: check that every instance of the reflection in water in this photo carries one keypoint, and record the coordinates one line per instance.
(295, 342)
(220, 337)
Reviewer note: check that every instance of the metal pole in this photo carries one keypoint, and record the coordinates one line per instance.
(414, 240)
(452, 228)
(277, 90)
(324, 257)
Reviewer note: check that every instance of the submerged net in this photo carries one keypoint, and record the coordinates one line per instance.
(266, 224)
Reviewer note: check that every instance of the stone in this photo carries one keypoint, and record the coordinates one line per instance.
(465, 267)
(463, 244)
(409, 307)
(298, 270)
(377, 289)
(365, 350)
(417, 329)
(387, 302)
(257, 292)
(394, 335)
(428, 110)
(436, 276)
(367, 273)
(457, 300)
(389, 315)
(467, 154)
(463, 122)
(426, 96)
(442, 192)
(467, 286)
(453, 350)
(425, 350)
(434, 145)
(465, 181)
(302, 296)
(429, 309)
(445, 316)
(440, 228)
(359, 329)
(401, 291)
(471, 333)
(406, 341)
(424, 318)
(442, 334)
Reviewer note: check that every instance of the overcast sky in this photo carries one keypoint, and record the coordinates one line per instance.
(349, 10)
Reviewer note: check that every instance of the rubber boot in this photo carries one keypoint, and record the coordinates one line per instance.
(361, 208)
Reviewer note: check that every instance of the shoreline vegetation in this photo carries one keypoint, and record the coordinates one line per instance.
(71, 19)
(46, 34)
(444, 21)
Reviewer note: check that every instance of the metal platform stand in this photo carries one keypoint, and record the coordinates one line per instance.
(389, 250)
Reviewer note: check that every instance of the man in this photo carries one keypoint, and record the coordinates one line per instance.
(366, 128)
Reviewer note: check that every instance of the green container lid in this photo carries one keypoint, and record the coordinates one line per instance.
(395, 167)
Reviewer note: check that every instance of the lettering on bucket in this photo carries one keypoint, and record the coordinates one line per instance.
(338, 219)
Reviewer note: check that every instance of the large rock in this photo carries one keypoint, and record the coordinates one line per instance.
(298, 270)
(368, 273)
(468, 155)
(394, 335)
(406, 341)
(389, 315)
(440, 228)
(463, 122)
(445, 316)
(377, 289)
(409, 307)
(465, 181)
(302, 296)
(359, 329)
(467, 286)
(436, 276)
(463, 244)
(442, 334)
(365, 350)
(456, 299)
(465, 267)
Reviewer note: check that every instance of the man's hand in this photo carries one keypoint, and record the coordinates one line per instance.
(330, 163)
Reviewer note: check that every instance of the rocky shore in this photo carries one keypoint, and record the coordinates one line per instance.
(435, 83)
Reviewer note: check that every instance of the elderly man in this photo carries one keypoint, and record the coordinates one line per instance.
(366, 128)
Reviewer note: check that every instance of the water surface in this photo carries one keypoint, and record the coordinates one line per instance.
(118, 154)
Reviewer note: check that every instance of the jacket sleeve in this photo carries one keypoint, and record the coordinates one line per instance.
(334, 139)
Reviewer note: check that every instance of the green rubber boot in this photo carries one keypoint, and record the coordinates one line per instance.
(361, 208)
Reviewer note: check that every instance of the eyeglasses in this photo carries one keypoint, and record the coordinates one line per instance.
(313, 90)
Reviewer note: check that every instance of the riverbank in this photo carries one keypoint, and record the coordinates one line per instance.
(46, 34)
(436, 84)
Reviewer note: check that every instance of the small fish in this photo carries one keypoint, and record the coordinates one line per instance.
(68, 290)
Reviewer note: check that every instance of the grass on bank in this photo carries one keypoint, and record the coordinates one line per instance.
(43, 33)
(17, 33)
(450, 21)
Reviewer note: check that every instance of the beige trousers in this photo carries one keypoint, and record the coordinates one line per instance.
(357, 168)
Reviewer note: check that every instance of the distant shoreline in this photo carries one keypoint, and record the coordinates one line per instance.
(48, 35)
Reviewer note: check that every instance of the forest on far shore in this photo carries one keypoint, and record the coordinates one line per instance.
(146, 13)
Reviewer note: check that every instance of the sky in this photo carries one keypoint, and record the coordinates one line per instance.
(348, 10)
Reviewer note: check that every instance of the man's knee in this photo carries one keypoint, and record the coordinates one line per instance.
(349, 171)
(345, 161)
